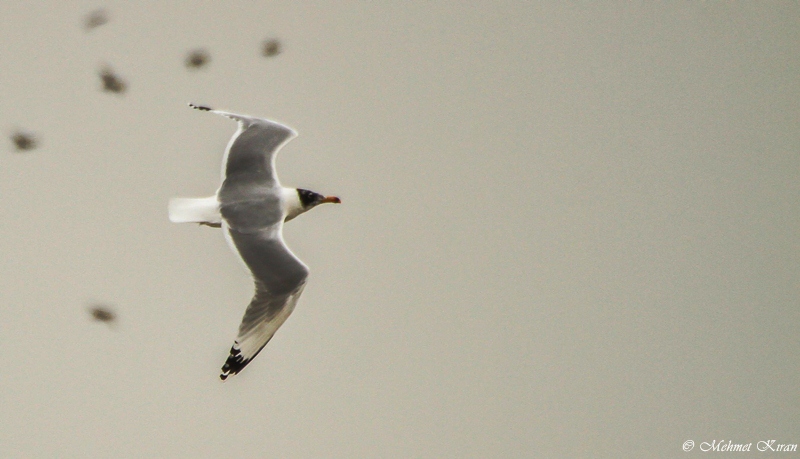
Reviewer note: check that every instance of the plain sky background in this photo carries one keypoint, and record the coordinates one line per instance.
(569, 229)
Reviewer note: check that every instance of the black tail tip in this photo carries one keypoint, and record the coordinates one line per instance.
(201, 107)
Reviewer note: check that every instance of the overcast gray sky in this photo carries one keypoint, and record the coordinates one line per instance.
(569, 229)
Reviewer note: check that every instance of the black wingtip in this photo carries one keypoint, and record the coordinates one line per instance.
(234, 364)
(200, 107)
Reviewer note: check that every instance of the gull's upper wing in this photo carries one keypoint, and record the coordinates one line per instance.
(279, 278)
(253, 147)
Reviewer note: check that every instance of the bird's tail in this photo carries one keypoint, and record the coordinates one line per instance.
(195, 210)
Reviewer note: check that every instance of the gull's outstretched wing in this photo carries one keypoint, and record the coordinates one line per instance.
(253, 147)
(279, 278)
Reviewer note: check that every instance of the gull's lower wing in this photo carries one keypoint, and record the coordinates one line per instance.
(261, 320)
(279, 280)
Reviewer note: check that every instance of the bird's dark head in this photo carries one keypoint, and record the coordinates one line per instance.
(311, 199)
(304, 201)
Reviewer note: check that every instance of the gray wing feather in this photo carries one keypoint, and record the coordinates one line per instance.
(275, 268)
(253, 148)
(249, 196)
(254, 145)
(279, 280)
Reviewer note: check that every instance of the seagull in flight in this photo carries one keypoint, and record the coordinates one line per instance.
(251, 206)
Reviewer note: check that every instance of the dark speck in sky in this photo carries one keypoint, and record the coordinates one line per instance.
(112, 82)
(197, 58)
(102, 313)
(271, 47)
(95, 19)
(23, 141)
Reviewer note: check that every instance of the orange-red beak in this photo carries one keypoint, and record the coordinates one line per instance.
(331, 199)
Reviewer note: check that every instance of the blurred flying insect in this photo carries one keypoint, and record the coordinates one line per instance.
(271, 47)
(112, 82)
(23, 141)
(94, 19)
(197, 58)
(102, 313)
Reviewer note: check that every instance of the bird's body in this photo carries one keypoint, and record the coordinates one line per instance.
(251, 207)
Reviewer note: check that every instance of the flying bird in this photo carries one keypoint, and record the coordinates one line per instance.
(251, 207)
